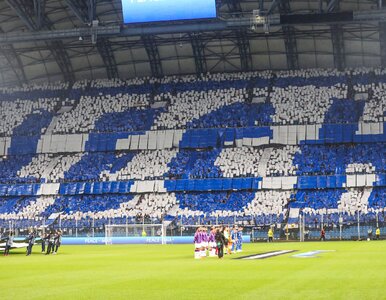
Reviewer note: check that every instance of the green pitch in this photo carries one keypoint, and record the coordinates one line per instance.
(356, 270)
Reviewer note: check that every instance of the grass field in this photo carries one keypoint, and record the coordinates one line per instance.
(356, 270)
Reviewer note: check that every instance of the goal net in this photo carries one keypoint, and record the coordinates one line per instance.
(134, 230)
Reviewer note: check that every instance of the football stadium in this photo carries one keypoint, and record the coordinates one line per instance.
(192, 149)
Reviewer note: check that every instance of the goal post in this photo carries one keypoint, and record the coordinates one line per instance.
(134, 230)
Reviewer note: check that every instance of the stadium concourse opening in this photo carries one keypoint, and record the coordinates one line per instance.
(171, 137)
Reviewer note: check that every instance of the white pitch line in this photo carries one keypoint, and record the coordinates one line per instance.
(259, 256)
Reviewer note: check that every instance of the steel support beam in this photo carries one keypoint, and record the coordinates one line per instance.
(261, 5)
(289, 37)
(32, 13)
(14, 61)
(234, 6)
(23, 11)
(80, 10)
(198, 48)
(242, 41)
(107, 54)
(291, 47)
(151, 48)
(40, 8)
(85, 11)
(244, 50)
(273, 6)
(382, 42)
(333, 5)
(337, 37)
(92, 9)
(224, 25)
(61, 58)
(338, 46)
(284, 7)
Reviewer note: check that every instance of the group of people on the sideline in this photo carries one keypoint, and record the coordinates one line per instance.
(52, 240)
(216, 242)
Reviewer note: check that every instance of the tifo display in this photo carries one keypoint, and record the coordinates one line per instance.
(253, 149)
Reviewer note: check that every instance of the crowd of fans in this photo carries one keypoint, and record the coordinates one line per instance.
(233, 100)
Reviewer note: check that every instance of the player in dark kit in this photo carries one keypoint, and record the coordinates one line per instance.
(31, 241)
(8, 243)
(58, 241)
(220, 242)
(51, 242)
(44, 237)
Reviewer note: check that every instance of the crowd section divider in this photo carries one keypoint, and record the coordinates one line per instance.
(195, 185)
(198, 138)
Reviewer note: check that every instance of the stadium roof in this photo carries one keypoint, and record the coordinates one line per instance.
(54, 40)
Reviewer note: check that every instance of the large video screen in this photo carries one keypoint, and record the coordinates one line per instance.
(141, 11)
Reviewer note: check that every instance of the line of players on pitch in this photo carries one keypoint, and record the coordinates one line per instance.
(51, 239)
(219, 240)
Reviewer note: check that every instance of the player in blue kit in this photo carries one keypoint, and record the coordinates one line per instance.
(239, 244)
(234, 238)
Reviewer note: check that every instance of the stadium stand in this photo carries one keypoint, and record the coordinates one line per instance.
(220, 148)
(18, 116)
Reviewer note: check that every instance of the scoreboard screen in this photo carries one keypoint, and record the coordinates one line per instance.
(141, 11)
